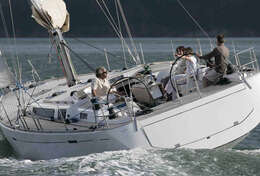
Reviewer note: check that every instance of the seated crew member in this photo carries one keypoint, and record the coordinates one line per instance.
(191, 63)
(179, 68)
(181, 64)
(221, 54)
(100, 86)
(190, 72)
(163, 76)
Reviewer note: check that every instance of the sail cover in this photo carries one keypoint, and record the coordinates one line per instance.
(5, 74)
(51, 14)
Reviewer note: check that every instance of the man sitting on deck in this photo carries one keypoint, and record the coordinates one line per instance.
(221, 54)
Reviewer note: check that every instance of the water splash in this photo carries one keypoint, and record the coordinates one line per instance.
(143, 162)
(5, 148)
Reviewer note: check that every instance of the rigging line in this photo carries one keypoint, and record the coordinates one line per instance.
(81, 59)
(50, 55)
(20, 77)
(120, 30)
(111, 23)
(118, 18)
(3, 21)
(194, 20)
(116, 30)
(31, 96)
(101, 51)
(7, 34)
(18, 74)
(118, 27)
(15, 43)
(128, 30)
(52, 42)
(9, 42)
(111, 17)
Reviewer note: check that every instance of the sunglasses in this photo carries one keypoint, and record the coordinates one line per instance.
(105, 72)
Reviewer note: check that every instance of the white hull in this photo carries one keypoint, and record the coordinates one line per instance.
(54, 145)
(207, 123)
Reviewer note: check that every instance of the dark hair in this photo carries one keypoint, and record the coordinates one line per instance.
(188, 50)
(220, 38)
(180, 48)
(99, 71)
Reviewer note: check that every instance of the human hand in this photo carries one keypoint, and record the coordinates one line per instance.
(198, 55)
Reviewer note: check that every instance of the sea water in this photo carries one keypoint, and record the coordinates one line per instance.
(244, 159)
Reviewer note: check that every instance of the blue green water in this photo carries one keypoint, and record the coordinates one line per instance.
(243, 160)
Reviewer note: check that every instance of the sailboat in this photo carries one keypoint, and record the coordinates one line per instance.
(58, 117)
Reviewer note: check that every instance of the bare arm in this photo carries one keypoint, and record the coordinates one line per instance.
(94, 87)
(94, 94)
(187, 58)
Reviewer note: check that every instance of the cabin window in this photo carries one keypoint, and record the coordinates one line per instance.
(44, 112)
(83, 116)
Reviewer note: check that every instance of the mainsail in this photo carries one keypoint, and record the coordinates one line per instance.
(5, 74)
(53, 15)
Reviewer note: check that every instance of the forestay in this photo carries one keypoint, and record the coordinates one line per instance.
(51, 14)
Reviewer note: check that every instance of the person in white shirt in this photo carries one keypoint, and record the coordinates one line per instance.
(191, 63)
(100, 86)
(163, 76)
(186, 78)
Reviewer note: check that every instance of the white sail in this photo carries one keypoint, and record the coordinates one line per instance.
(5, 74)
(51, 14)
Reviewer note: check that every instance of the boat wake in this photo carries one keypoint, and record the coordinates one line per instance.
(5, 148)
(184, 162)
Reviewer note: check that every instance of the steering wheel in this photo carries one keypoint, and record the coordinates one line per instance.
(130, 81)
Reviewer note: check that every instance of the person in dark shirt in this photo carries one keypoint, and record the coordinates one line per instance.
(219, 68)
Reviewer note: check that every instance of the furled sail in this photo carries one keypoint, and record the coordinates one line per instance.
(51, 14)
(5, 74)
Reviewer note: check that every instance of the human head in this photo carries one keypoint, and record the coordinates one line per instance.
(220, 39)
(179, 50)
(101, 72)
(188, 51)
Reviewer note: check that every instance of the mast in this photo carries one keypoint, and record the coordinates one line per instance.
(65, 59)
(53, 15)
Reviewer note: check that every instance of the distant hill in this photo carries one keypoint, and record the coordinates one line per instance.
(146, 18)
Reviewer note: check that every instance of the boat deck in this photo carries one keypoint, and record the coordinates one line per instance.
(193, 96)
(32, 124)
(42, 95)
